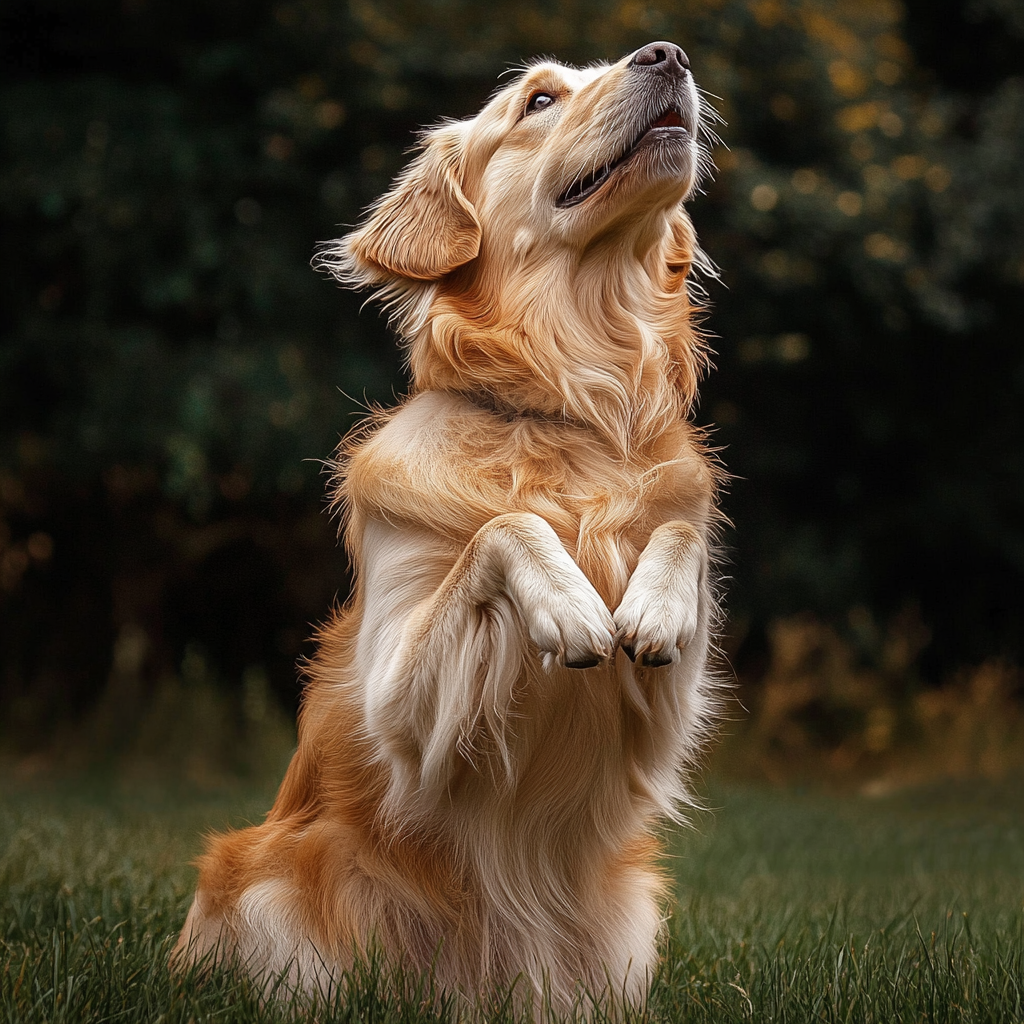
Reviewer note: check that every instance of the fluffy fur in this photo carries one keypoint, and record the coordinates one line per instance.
(481, 761)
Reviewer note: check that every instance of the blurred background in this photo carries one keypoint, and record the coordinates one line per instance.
(172, 372)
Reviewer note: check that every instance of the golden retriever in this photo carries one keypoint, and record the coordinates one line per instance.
(513, 696)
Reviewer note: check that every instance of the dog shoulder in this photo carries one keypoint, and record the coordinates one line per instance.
(689, 478)
(421, 465)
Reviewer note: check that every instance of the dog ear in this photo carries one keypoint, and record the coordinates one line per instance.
(421, 229)
(681, 242)
(683, 254)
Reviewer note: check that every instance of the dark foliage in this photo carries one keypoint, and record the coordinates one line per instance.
(169, 362)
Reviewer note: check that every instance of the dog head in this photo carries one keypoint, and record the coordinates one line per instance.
(538, 251)
(561, 158)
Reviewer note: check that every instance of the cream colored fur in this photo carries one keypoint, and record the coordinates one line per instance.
(481, 764)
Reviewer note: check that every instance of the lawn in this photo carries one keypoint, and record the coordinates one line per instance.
(791, 906)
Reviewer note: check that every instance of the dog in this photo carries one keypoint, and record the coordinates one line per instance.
(518, 689)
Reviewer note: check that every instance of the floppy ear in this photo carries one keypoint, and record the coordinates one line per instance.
(681, 242)
(682, 252)
(421, 229)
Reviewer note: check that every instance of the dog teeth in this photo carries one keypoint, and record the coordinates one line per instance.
(579, 190)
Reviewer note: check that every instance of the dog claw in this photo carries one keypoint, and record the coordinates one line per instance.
(656, 660)
(647, 658)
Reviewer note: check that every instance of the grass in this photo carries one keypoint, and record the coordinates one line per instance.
(791, 907)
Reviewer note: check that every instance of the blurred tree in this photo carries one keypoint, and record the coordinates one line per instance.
(871, 381)
(169, 361)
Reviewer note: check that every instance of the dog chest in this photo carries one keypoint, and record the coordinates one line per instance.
(448, 466)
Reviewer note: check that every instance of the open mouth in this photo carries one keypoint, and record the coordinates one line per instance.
(584, 187)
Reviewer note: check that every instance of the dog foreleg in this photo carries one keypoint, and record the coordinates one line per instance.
(440, 658)
(661, 610)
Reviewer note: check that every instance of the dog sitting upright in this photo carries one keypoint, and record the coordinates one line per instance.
(509, 702)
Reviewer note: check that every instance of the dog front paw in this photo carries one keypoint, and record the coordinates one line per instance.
(660, 612)
(564, 614)
(656, 622)
(573, 629)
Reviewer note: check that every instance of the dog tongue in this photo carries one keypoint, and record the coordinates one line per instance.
(670, 119)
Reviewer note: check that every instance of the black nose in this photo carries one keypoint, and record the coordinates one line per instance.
(665, 57)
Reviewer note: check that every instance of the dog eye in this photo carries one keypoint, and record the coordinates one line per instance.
(539, 101)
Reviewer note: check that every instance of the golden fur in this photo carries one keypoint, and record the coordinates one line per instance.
(481, 762)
